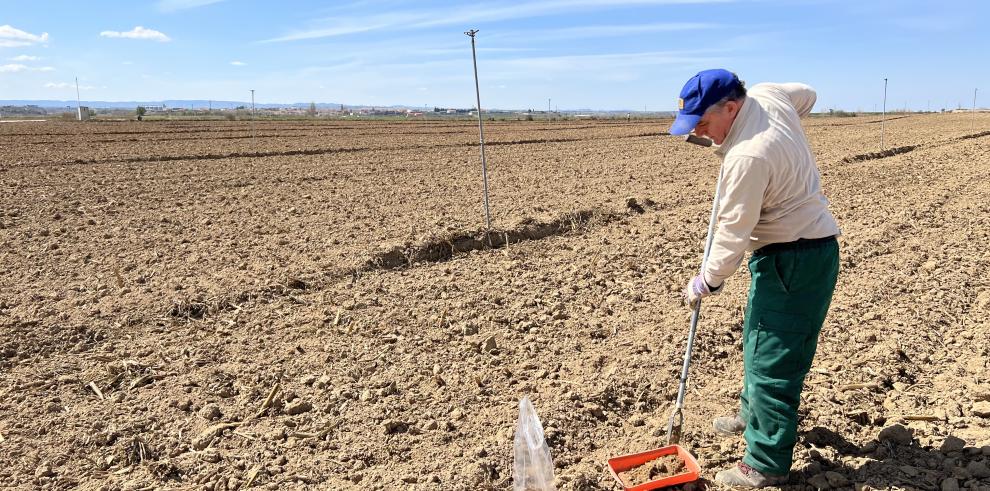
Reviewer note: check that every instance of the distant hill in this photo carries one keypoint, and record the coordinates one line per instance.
(205, 104)
(185, 104)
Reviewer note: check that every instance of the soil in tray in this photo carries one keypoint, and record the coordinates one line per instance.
(659, 468)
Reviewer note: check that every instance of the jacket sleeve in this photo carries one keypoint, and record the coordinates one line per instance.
(744, 183)
(802, 97)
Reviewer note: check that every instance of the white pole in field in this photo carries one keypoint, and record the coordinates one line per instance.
(252, 117)
(883, 116)
(548, 120)
(78, 102)
(481, 131)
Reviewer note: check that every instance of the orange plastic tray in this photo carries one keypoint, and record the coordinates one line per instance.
(626, 462)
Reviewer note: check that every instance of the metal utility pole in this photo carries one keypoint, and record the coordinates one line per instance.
(252, 103)
(78, 102)
(548, 120)
(481, 130)
(974, 105)
(883, 116)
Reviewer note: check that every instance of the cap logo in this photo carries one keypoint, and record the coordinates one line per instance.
(680, 103)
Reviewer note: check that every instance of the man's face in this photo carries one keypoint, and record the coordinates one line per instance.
(717, 121)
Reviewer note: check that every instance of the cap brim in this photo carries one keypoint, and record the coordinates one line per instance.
(684, 123)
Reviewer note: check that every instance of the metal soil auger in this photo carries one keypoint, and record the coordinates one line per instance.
(672, 464)
(676, 423)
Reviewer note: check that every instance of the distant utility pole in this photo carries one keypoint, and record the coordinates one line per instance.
(883, 115)
(548, 120)
(252, 103)
(974, 105)
(481, 130)
(78, 102)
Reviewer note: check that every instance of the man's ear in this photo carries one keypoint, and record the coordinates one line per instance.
(733, 107)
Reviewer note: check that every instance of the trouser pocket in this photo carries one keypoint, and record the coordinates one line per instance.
(782, 345)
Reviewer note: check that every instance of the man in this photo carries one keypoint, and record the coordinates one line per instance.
(771, 204)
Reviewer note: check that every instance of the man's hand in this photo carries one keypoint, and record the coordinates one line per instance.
(697, 289)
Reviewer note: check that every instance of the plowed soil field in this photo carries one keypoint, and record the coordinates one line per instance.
(205, 305)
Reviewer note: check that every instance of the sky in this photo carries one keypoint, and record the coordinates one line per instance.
(574, 54)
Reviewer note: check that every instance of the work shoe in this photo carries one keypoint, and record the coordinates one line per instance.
(746, 476)
(729, 425)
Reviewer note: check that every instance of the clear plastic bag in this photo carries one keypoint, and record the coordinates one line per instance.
(532, 468)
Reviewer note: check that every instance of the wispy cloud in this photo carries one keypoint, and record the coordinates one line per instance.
(11, 37)
(597, 66)
(17, 67)
(238, 63)
(173, 5)
(613, 66)
(424, 18)
(138, 33)
(25, 58)
(66, 85)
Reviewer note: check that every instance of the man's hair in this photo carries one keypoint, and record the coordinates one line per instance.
(737, 93)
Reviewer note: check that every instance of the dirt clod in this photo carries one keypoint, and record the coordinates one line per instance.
(897, 434)
(978, 469)
(489, 345)
(982, 409)
(469, 328)
(836, 480)
(210, 412)
(819, 481)
(298, 407)
(395, 426)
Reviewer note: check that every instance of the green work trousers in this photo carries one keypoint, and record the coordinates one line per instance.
(789, 295)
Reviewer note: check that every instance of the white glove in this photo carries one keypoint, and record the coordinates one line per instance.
(697, 289)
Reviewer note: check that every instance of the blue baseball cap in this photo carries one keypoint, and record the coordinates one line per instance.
(699, 93)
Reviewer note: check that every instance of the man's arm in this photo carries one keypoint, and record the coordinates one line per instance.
(744, 183)
(802, 97)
